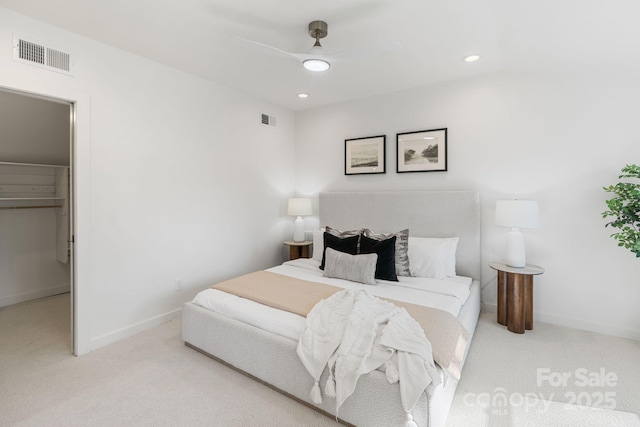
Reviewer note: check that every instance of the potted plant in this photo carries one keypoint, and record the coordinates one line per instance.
(625, 209)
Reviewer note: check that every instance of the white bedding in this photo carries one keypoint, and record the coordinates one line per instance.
(448, 295)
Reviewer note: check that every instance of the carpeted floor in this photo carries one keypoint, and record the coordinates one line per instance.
(152, 379)
(547, 377)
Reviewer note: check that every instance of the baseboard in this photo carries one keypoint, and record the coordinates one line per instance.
(132, 330)
(575, 323)
(42, 293)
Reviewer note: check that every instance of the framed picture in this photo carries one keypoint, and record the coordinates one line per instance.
(422, 151)
(364, 155)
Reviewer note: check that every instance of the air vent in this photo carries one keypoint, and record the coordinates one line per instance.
(30, 52)
(40, 55)
(267, 120)
(57, 59)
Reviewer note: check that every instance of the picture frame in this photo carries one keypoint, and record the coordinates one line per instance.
(365, 155)
(422, 151)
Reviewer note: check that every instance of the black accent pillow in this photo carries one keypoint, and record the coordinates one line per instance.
(347, 245)
(386, 250)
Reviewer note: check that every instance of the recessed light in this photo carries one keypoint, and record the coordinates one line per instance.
(471, 58)
(303, 95)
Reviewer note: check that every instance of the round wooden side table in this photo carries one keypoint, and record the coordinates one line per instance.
(299, 249)
(515, 295)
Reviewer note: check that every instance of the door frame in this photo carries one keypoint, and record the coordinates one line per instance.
(79, 206)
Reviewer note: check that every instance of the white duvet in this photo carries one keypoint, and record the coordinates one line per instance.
(448, 295)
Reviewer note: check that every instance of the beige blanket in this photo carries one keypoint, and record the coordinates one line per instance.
(446, 334)
(279, 291)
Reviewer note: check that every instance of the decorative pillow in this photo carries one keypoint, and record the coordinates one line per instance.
(338, 233)
(433, 257)
(318, 245)
(357, 268)
(348, 245)
(343, 234)
(386, 251)
(402, 248)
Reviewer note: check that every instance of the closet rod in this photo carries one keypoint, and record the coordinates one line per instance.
(28, 207)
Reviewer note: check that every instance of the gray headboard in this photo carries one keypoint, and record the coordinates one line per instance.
(424, 213)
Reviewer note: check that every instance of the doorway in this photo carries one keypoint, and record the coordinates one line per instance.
(37, 200)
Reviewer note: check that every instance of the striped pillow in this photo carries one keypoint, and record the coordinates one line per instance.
(356, 268)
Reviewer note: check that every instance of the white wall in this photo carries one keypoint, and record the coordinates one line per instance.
(176, 179)
(556, 139)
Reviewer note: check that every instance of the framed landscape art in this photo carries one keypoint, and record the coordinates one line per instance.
(422, 151)
(364, 155)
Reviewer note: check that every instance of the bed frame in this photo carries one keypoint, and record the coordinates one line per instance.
(272, 359)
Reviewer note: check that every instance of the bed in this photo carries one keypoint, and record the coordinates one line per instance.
(270, 357)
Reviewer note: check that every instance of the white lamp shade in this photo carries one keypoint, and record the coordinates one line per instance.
(517, 213)
(299, 206)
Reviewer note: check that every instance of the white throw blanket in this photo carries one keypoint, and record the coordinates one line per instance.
(353, 333)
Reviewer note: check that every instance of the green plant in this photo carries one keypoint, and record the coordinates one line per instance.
(625, 208)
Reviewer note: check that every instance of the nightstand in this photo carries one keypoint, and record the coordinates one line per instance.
(299, 249)
(515, 295)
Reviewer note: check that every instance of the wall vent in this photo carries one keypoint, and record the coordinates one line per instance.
(40, 55)
(267, 120)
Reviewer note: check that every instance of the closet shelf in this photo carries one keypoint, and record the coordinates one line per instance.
(29, 198)
(32, 186)
(35, 165)
(31, 202)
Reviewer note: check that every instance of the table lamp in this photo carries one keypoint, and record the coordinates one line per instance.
(299, 206)
(516, 214)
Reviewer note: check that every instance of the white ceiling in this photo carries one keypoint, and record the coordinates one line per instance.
(199, 37)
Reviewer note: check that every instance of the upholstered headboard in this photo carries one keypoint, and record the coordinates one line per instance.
(424, 213)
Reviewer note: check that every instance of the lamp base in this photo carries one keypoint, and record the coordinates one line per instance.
(298, 230)
(515, 249)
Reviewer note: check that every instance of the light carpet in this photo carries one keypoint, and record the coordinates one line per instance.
(546, 377)
(152, 379)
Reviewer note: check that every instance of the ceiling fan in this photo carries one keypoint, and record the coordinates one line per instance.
(319, 60)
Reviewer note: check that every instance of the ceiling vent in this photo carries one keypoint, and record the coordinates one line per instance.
(267, 120)
(40, 55)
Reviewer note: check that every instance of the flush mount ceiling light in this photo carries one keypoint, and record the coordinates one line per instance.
(471, 58)
(303, 95)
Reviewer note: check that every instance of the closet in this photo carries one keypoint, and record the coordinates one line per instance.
(36, 186)
(34, 231)
(35, 202)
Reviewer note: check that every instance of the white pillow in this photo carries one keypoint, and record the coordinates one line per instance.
(433, 257)
(318, 244)
(356, 268)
